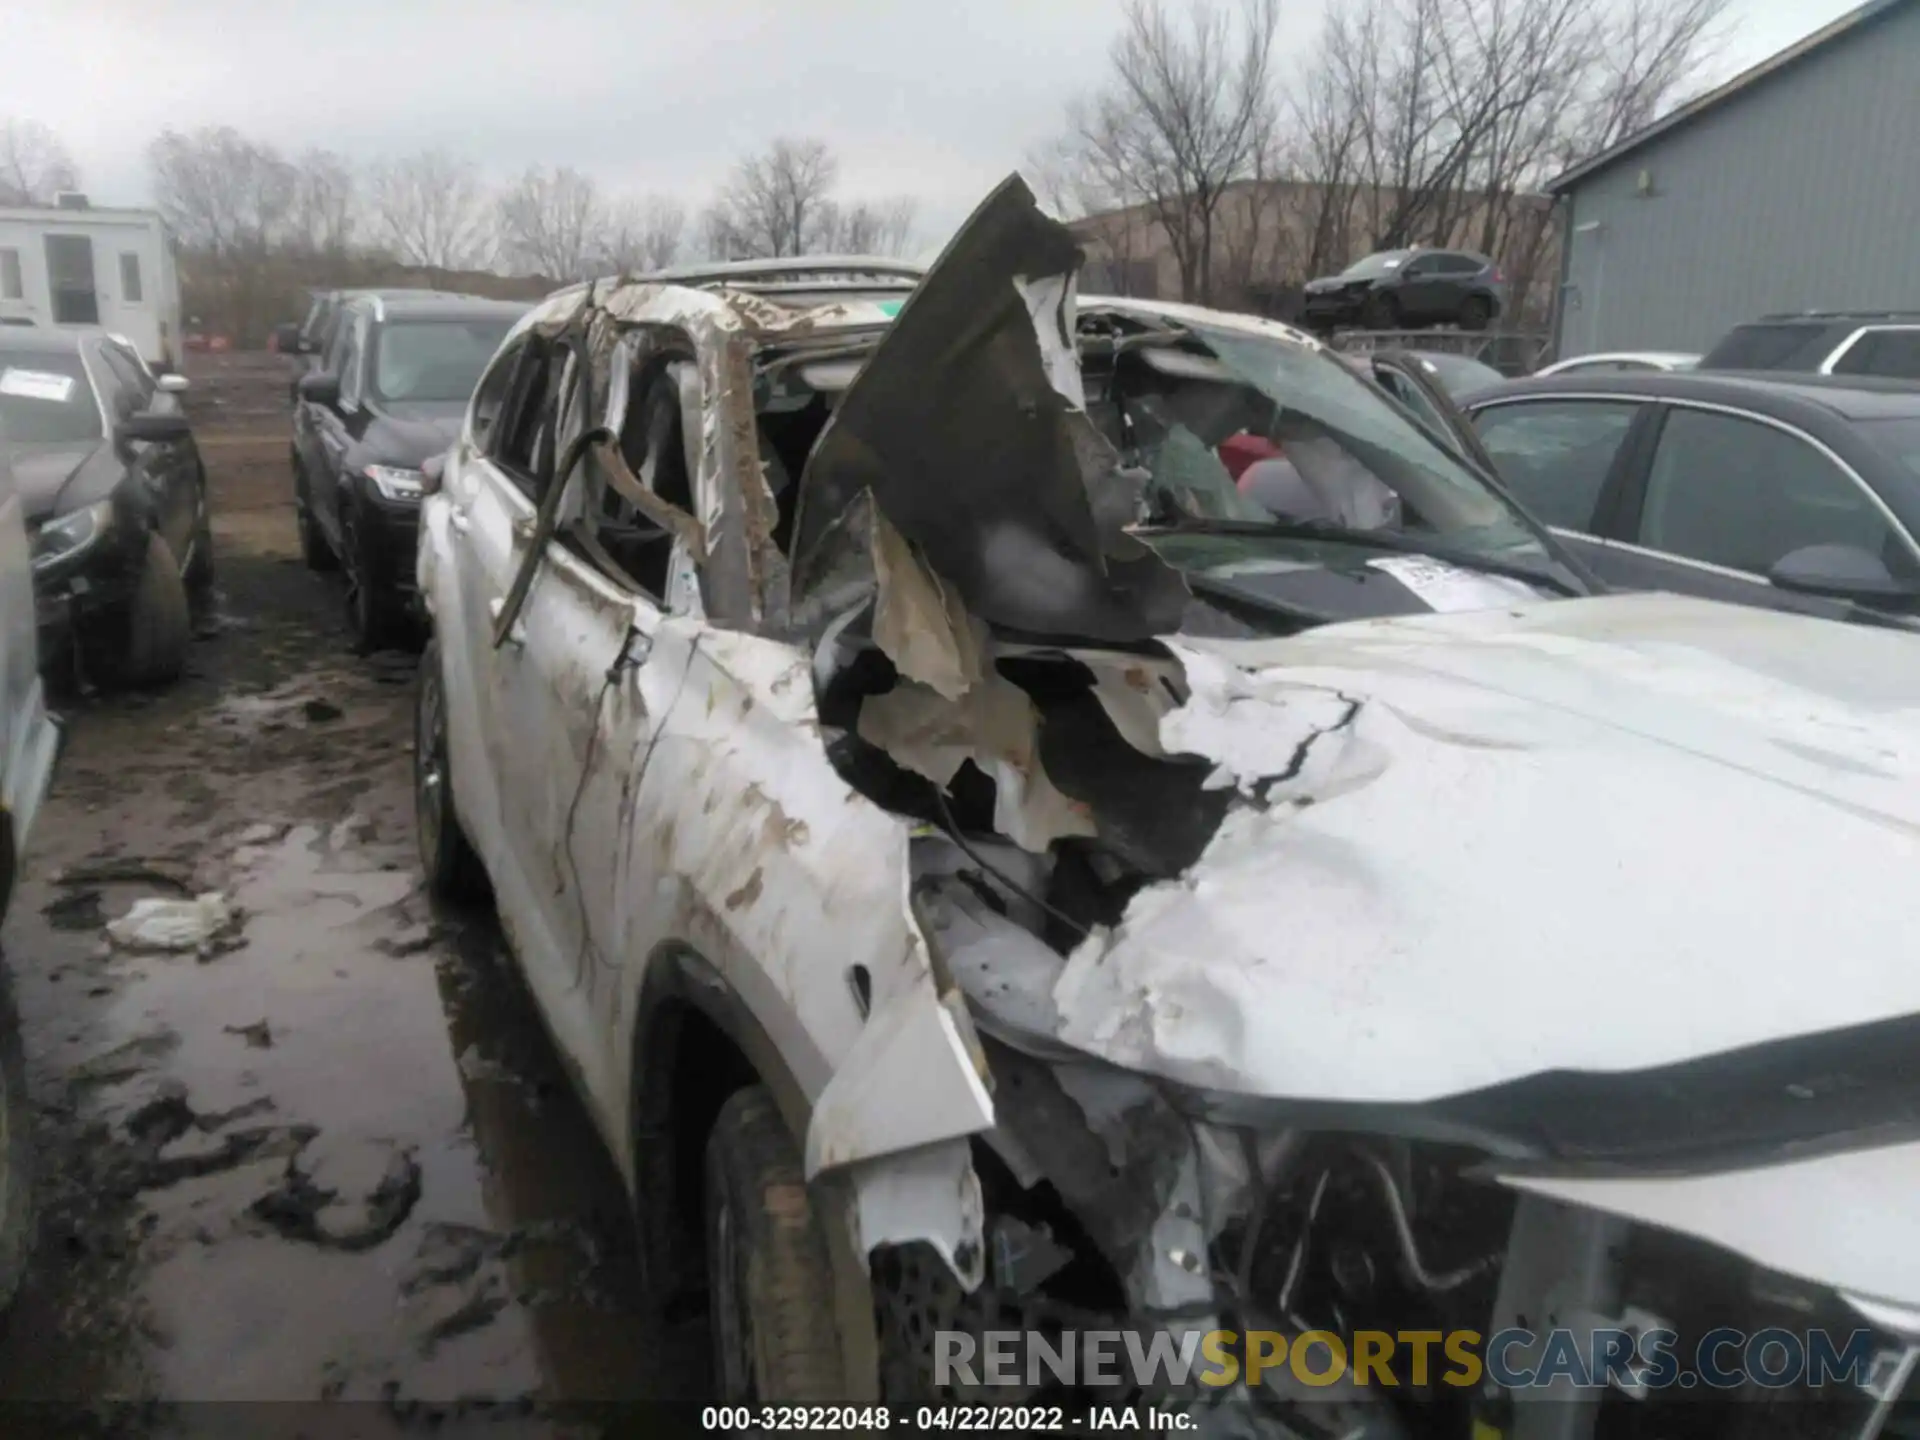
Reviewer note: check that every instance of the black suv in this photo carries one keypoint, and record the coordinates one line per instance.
(1885, 343)
(115, 500)
(1408, 289)
(307, 340)
(387, 394)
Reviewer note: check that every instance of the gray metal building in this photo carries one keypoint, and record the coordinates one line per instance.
(1795, 186)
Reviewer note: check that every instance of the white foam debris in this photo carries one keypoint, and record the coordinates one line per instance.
(171, 924)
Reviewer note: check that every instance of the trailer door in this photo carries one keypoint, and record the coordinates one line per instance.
(131, 307)
(70, 280)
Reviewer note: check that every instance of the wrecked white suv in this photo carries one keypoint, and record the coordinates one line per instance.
(977, 890)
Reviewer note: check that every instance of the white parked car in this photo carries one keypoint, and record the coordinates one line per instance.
(990, 865)
(1621, 362)
(29, 743)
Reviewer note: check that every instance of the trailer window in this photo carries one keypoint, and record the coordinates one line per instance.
(130, 277)
(10, 286)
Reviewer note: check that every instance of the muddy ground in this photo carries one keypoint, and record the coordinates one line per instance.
(330, 1156)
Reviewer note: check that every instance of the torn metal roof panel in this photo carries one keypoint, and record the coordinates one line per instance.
(967, 427)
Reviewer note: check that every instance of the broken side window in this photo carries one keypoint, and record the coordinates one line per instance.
(794, 399)
(522, 443)
(490, 396)
(611, 532)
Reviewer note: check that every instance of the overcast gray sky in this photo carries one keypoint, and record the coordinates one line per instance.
(645, 95)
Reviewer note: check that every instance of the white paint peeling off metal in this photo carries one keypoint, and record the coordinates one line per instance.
(711, 501)
(919, 622)
(997, 727)
(1137, 692)
(930, 1194)
(1502, 813)
(1049, 302)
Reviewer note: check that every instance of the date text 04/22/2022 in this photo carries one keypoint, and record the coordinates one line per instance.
(935, 1419)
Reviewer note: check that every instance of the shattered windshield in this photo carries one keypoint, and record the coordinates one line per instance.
(1289, 451)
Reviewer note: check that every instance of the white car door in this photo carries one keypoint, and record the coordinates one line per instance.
(477, 513)
(558, 644)
(29, 739)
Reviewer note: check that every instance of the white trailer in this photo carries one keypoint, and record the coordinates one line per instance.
(74, 265)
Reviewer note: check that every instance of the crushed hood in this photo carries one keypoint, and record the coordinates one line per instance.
(1590, 835)
(1385, 862)
(967, 426)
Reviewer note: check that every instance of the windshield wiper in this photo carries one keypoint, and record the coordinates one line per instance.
(1396, 541)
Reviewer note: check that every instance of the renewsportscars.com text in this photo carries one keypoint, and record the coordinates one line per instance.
(1514, 1359)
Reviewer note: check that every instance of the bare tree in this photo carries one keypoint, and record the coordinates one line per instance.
(1647, 50)
(1436, 121)
(870, 227)
(1257, 239)
(1389, 60)
(717, 240)
(1188, 112)
(551, 223)
(641, 234)
(1509, 78)
(325, 191)
(221, 192)
(776, 203)
(227, 200)
(34, 165)
(1327, 139)
(430, 209)
(1109, 220)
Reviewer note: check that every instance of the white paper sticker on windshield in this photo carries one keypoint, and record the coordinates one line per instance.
(35, 385)
(1447, 588)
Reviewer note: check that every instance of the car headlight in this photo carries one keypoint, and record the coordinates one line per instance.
(396, 483)
(66, 536)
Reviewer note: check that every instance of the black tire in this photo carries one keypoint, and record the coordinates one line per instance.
(313, 544)
(454, 871)
(1381, 312)
(16, 1148)
(199, 577)
(151, 648)
(1476, 312)
(770, 1284)
(374, 621)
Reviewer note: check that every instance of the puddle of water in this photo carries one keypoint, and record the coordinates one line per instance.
(319, 1048)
